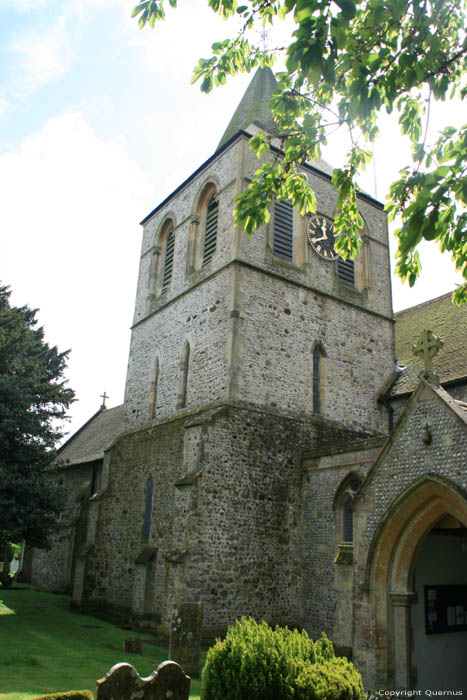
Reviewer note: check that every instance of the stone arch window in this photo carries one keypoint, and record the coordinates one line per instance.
(204, 228)
(184, 372)
(319, 353)
(344, 512)
(283, 229)
(210, 229)
(153, 389)
(168, 260)
(147, 510)
(162, 259)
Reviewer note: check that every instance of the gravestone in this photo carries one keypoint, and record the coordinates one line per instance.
(123, 682)
(185, 636)
(133, 645)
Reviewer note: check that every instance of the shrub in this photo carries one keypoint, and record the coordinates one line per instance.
(257, 662)
(70, 695)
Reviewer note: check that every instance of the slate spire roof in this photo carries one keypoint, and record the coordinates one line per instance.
(254, 107)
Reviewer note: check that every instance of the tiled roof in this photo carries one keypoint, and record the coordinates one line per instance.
(89, 443)
(445, 320)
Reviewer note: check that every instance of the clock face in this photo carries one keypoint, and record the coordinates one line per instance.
(321, 237)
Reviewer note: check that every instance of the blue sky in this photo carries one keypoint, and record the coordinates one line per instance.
(98, 124)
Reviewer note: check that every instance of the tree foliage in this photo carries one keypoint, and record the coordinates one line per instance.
(348, 61)
(33, 401)
(257, 662)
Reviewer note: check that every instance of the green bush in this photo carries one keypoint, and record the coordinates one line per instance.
(256, 662)
(70, 695)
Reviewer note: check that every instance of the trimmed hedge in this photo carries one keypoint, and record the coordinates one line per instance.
(257, 662)
(69, 695)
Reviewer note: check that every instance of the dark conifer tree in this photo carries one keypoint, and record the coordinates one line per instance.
(33, 401)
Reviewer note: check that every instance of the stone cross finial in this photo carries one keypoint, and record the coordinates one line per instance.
(427, 347)
(104, 397)
(264, 36)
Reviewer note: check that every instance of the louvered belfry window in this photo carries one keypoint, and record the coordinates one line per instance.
(283, 229)
(210, 234)
(168, 261)
(346, 271)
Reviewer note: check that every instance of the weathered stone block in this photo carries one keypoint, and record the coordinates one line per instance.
(185, 636)
(134, 645)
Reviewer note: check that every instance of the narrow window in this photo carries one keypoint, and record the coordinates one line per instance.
(147, 510)
(316, 359)
(210, 234)
(153, 389)
(347, 519)
(346, 271)
(318, 353)
(168, 261)
(184, 382)
(283, 229)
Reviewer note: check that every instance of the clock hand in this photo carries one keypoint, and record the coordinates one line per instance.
(316, 240)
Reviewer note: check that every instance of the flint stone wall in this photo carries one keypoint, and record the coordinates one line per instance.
(226, 520)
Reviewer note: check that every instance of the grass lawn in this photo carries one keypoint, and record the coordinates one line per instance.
(45, 647)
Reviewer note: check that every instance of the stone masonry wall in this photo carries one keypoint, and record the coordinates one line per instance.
(110, 568)
(410, 459)
(226, 517)
(201, 318)
(277, 332)
(322, 535)
(52, 568)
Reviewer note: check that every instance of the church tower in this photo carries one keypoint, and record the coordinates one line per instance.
(245, 355)
(277, 321)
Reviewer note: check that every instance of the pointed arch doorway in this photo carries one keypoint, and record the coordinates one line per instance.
(399, 568)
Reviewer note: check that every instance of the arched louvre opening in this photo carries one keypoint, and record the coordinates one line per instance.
(283, 229)
(346, 271)
(168, 261)
(210, 234)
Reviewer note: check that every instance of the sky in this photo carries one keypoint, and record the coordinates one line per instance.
(98, 124)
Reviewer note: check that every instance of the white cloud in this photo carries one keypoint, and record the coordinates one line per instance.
(23, 5)
(40, 57)
(69, 245)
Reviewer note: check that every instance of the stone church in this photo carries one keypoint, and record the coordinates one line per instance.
(281, 451)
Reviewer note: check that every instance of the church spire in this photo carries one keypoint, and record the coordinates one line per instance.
(254, 106)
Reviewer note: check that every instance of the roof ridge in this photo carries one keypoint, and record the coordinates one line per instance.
(423, 303)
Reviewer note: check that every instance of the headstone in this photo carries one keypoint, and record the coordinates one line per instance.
(185, 636)
(123, 682)
(134, 645)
